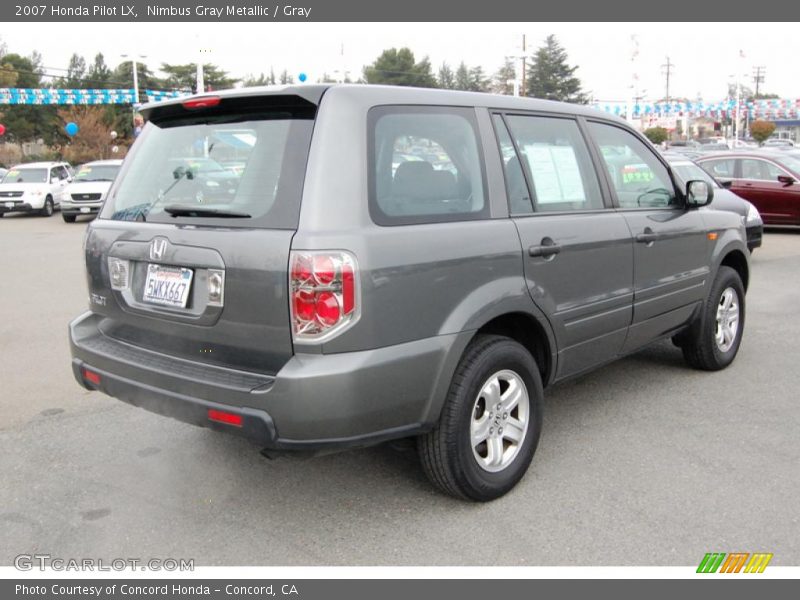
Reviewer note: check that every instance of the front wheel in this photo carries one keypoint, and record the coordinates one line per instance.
(714, 340)
(490, 424)
(47, 209)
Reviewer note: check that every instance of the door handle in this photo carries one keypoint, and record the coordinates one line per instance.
(648, 236)
(547, 248)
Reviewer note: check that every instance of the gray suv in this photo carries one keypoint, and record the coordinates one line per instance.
(363, 263)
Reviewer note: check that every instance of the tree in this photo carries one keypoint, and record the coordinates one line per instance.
(446, 78)
(399, 67)
(500, 80)
(761, 130)
(27, 123)
(75, 72)
(551, 77)
(478, 81)
(93, 140)
(657, 135)
(285, 78)
(462, 77)
(185, 77)
(98, 74)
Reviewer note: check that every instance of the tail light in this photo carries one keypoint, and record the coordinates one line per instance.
(119, 273)
(324, 293)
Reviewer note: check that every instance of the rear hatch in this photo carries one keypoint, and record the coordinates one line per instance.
(190, 252)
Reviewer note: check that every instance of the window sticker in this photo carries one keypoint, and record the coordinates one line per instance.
(556, 175)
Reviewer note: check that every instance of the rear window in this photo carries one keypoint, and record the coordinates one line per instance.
(425, 165)
(242, 170)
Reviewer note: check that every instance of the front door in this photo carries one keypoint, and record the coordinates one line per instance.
(670, 269)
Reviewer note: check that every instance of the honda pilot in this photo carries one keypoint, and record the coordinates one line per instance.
(367, 263)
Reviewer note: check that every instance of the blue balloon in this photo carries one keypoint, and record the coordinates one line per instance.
(302, 77)
(71, 129)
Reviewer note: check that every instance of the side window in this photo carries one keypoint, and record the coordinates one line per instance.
(519, 197)
(639, 178)
(760, 169)
(425, 165)
(720, 167)
(556, 159)
(62, 172)
(53, 174)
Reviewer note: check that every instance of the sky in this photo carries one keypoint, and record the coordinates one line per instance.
(706, 56)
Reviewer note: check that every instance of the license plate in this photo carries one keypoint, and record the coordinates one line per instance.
(9, 205)
(85, 209)
(168, 286)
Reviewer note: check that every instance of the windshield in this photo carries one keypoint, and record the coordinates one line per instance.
(686, 171)
(23, 175)
(97, 173)
(202, 171)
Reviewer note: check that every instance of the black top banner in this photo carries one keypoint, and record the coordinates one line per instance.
(408, 10)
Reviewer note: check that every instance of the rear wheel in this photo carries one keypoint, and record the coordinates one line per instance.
(714, 340)
(490, 424)
(47, 209)
(68, 218)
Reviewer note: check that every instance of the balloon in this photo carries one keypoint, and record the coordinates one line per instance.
(2, 129)
(71, 129)
(113, 135)
(114, 149)
(302, 77)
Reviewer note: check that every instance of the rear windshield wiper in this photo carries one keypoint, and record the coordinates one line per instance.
(190, 211)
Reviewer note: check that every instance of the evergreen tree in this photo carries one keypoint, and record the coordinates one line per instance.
(478, 82)
(185, 76)
(462, 77)
(446, 77)
(551, 77)
(399, 67)
(285, 78)
(75, 72)
(500, 80)
(99, 74)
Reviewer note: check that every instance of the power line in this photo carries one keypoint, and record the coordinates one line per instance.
(759, 74)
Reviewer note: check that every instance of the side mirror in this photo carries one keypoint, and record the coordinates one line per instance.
(786, 179)
(698, 193)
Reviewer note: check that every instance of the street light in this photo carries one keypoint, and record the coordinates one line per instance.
(133, 58)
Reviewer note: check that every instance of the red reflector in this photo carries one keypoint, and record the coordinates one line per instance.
(202, 102)
(91, 376)
(224, 417)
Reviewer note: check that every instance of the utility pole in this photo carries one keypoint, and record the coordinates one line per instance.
(759, 73)
(524, 66)
(667, 71)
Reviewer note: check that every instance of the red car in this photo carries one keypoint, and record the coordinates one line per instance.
(770, 180)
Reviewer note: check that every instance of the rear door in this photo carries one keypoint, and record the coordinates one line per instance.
(778, 203)
(193, 265)
(577, 253)
(670, 253)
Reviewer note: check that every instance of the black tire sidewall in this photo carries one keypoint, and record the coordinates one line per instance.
(503, 355)
(728, 278)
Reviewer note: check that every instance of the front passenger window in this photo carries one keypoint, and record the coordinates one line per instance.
(639, 178)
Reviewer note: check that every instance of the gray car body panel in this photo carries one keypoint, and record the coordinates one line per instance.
(426, 289)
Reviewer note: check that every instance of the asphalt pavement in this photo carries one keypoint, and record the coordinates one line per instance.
(643, 462)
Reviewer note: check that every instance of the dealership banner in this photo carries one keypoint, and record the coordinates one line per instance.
(756, 109)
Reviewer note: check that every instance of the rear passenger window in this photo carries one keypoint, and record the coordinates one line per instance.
(639, 178)
(558, 165)
(426, 165)
(720, 168)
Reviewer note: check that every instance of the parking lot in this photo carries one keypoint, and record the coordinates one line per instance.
(644, 462)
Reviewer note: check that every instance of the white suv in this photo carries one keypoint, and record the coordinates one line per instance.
(84, 196)
(34, 187)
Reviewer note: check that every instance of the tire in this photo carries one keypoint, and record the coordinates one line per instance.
(68, 218)
(47, 209)
(713, 341)
(490, 468)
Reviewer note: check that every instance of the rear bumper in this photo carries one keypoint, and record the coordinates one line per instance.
(314, 402)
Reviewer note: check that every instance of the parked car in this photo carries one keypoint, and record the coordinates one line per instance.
(3, 172)
(767, 179)
(778, 143)
(85, 194)
(335, 301)
(724, 199)
(34, 187)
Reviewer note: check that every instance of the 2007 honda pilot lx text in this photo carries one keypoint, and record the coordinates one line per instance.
(320, 267)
